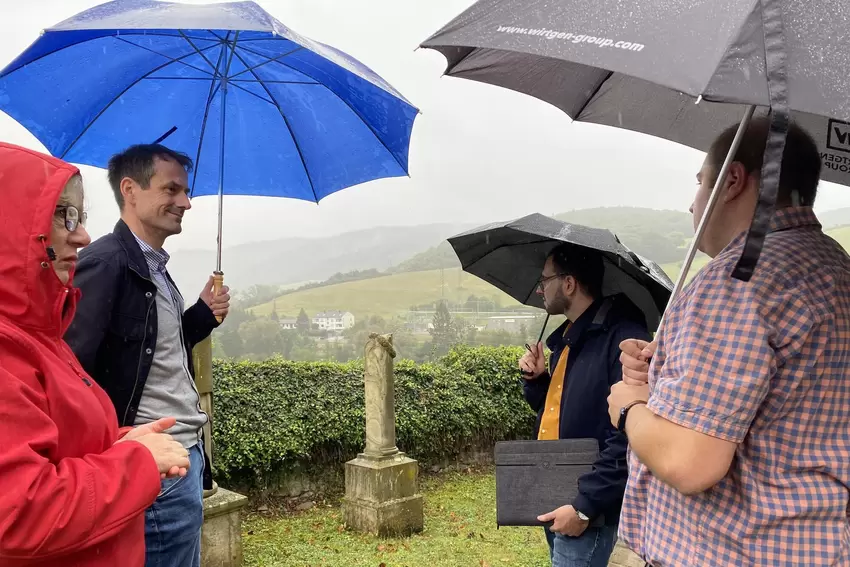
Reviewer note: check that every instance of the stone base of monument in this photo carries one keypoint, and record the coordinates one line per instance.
(382, 495)
(221, 535)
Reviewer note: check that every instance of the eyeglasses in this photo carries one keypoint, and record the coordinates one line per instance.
(541, 283)
(72, 217)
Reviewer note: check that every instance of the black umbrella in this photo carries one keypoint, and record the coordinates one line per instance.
(510, 256)
(641, 65)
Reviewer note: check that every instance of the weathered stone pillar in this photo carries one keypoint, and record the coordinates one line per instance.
(381, 484)
(202, 362)
(221, 535)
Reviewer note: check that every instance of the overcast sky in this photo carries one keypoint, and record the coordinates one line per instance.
(478, 153)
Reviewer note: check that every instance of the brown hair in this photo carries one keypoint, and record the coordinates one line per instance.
(801, 163)
(137, 163)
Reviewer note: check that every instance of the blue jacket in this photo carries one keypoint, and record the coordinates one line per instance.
(592, 367)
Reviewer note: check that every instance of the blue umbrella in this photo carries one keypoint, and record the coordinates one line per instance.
(262, 110)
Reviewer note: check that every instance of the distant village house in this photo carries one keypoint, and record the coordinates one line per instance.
(288, 324)
(510, 323)
(336, 321)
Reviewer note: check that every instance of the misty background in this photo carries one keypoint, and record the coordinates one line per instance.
(478, 154)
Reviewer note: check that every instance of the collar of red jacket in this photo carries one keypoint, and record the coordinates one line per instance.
(31, 295)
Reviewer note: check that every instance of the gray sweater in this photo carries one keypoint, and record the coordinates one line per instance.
(170, 390)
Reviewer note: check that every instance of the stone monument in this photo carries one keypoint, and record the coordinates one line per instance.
(221, 534)
(381, 484)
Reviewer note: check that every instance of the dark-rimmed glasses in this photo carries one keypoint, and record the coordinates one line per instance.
(541, 283)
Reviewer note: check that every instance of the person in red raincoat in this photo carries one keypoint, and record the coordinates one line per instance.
(73, 491)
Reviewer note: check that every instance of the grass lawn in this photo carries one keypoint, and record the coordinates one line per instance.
(460, 531)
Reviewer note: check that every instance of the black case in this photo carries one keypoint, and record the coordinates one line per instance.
(537, 477)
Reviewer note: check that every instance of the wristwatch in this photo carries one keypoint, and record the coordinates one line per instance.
(621, 423)
(581, 516)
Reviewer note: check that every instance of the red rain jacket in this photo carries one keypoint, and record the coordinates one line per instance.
(69, 496)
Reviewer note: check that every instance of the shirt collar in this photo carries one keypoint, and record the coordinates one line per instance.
(793, 217)
(156, 259)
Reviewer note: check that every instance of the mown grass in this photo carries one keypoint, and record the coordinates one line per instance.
(460, 531)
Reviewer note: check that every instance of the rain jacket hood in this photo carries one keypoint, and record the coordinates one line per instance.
(32, 295)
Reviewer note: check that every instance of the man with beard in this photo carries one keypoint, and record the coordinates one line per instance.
(571, 399)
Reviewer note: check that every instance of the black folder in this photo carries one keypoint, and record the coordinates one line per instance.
(536, 477)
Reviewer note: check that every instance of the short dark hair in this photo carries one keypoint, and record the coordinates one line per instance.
(801, 162)
(137, 163)
(584, 264)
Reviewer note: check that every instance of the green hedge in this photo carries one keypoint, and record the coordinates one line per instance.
(276, 415)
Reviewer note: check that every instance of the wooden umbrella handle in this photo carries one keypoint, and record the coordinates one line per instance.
(218, 282)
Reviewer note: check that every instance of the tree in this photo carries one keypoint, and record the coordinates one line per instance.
(261, 338)
(302, 323)
(258, 294)
(227, 335)
(445, 332)
(230, 342)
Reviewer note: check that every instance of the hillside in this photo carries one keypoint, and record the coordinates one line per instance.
(296, 260)
(440, 256)
(392, 295)
(386, 296)
(657, 235)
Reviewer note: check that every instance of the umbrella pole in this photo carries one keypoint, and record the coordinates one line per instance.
(218, 275)
(709, 209)
(543, 330)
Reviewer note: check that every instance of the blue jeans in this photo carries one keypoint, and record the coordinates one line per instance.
(593, 548)
(173, 523)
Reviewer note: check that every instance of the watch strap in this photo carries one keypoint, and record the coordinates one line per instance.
(624, 412)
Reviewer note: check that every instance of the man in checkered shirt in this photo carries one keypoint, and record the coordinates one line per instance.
(742, 454)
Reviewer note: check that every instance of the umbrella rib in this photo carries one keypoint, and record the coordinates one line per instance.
(500, 246)
(172, 59)
(118, 96)
(159, 35)
(275, 38)
(286, 122)
(213, 89)
(210, 78)
(275, 82)
(268, 60)
(264, 99)
(82, 41)
(345, 102)
(593, 94)
(200, 51)
(215, 86)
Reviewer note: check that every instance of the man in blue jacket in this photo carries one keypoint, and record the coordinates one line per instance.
(571, 398)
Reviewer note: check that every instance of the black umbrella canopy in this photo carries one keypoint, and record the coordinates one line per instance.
(642, 64)
(639, 64)
(510, 255)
